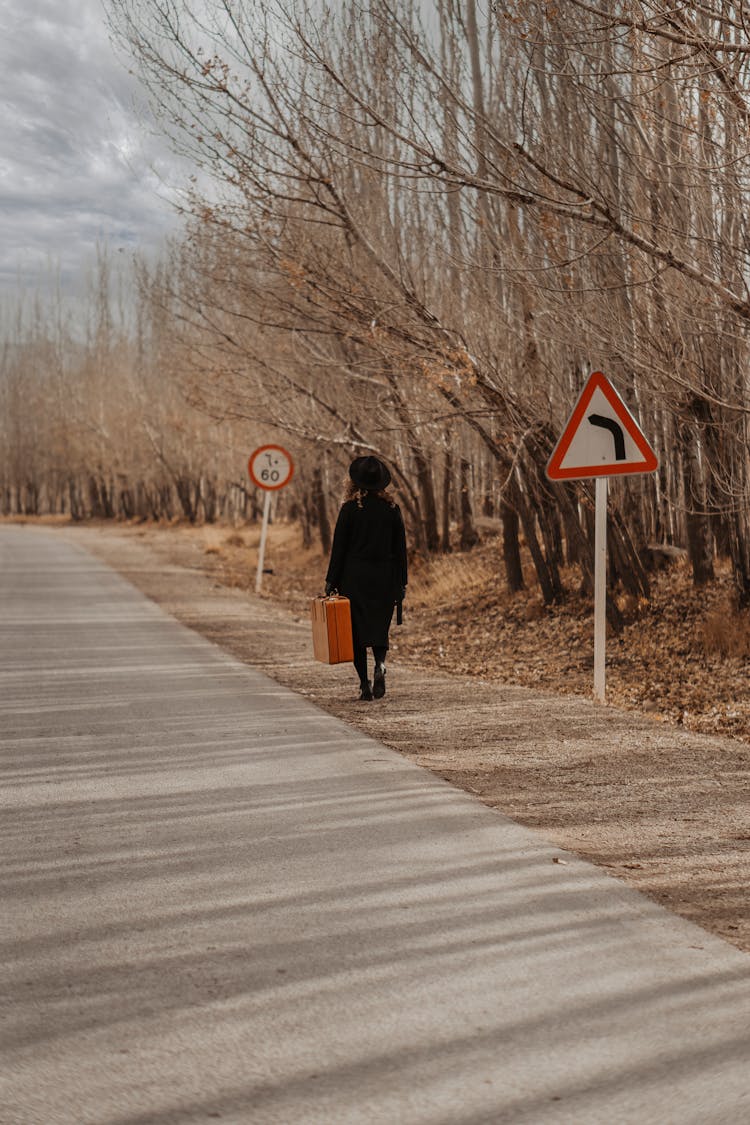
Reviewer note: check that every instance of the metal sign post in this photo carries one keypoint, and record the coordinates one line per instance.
(600, 587)
(263, 537)
(270, 468)
(601, 439)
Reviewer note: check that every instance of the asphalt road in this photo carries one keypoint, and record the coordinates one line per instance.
(219, 903)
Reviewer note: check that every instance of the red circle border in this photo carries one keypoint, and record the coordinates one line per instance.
(254, 479)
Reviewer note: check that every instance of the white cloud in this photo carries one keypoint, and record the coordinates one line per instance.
(78, 163)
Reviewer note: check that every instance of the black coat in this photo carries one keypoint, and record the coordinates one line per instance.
(368, 565)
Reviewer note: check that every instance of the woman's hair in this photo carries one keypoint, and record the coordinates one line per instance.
(353, 492)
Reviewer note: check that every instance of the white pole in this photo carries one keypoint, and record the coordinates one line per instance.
(600, 587)
(262, 546)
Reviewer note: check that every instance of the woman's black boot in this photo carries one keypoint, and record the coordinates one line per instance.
(378, 681)
(366, 690)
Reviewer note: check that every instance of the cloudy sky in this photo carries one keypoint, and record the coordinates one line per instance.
(77, 161)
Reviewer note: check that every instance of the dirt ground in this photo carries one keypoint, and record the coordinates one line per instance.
(628, 785)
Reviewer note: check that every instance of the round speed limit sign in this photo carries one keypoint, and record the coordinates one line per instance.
(270, 467)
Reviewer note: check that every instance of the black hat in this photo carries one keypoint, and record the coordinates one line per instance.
(369, 473)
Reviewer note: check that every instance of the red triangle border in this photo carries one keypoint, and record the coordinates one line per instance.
(598, 381)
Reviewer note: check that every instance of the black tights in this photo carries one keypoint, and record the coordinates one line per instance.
(360, 659)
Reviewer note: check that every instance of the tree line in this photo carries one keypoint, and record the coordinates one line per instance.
(414, 229)
(89, 428)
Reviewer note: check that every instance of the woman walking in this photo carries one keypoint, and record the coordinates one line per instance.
(368, 565)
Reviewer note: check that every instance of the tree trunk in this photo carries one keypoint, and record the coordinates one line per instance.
(739, 540)
(525, 514)
(698, 525)
(321, 511)
(445, 538)
(427, 496)
(306, 511)
(208, 499)
(76, 507)
(469, 533)
(511, 549)
(186, 493)
(628, 564)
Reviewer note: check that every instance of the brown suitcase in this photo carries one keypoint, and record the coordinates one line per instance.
(332, 629)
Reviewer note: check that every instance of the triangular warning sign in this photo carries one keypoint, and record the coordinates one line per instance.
(601, 438)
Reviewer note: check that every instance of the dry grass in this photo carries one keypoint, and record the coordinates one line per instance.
(448, 578)
(38, 521)
(235, 540)
(473, 580)
(726, 632)
(292, 573)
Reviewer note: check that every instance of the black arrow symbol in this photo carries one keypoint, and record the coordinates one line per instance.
(615, 429)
